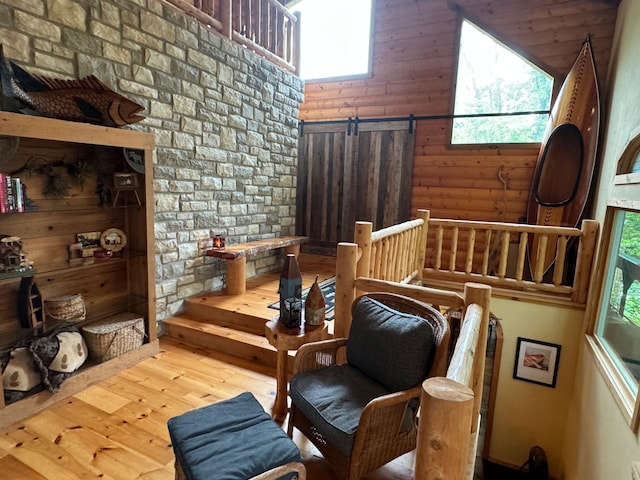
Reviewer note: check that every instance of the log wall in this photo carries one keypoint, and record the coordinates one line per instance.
(414, 61)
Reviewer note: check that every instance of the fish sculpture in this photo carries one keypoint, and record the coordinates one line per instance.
(85, 100)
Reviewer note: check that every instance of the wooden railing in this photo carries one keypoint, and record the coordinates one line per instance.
(395, 253)
(448, 436)
(496, 254)
(432, 251)
(264, 26)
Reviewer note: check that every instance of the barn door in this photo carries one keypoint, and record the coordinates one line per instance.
(348, 173)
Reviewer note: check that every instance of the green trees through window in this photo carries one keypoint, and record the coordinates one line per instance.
(627, 303)
(493, 79)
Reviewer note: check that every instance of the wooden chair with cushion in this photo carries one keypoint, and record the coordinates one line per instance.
(362, 413)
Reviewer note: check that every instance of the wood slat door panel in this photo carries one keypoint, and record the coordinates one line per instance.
(345, 175)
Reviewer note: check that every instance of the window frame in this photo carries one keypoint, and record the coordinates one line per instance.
(556, 77)
(624, 196)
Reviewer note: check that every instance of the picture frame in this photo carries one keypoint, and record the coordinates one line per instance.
(537, 361)
(125, 181)
(89, 242)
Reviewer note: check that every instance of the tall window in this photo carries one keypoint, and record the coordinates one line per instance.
(619, 316)
(616, 337)
(335, 38)
(493, 79)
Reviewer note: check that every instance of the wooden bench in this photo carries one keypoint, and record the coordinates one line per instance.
(236, 258)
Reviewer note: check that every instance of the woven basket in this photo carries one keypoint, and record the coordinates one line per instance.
(69, 308)
(114, 336)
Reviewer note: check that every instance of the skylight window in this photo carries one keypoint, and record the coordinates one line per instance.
(335, 38)
(492, 79)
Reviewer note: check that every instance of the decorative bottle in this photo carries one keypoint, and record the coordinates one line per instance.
(314, 306)
(290, 293)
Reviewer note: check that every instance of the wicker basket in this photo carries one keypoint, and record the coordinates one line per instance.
(114, 336)
(69, 308)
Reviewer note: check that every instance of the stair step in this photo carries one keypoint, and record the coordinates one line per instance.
(241, 344)
(248, 312)
(227, 311)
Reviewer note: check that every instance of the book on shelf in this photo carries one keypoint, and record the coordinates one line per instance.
(11, 194)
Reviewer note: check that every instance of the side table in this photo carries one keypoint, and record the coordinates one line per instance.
(285, 339)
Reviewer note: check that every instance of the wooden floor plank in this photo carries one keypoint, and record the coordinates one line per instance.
(125, 432)
(36, 444)
(11, 467)
(101, 398)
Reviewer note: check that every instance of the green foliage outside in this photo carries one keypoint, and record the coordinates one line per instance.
(629, 245)
(493, 79)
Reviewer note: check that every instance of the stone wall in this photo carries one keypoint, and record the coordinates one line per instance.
(224, 119)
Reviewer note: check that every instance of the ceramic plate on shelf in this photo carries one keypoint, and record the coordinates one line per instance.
(134, 158)
(113, 239)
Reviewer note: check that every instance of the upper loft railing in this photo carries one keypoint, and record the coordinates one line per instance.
(264, 26)
(433, 251)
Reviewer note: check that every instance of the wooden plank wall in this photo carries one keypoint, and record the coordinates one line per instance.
(414, 58)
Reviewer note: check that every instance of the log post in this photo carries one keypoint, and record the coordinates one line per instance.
(584, 263)
(421, 247)
(362, 237)
(479, 294)
(470, 249)
(454, 249)
(504, 254)
(237, 276)
(226, 18)
(295, 46)
(346, 260)
(561, 253)
(522, 255)
(444, 430)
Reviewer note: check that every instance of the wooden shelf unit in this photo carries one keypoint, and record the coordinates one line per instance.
(125, 282)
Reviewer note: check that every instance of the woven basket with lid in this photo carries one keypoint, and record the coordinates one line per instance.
(113, 336)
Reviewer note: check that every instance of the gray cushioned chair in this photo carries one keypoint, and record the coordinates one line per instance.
(361, 412)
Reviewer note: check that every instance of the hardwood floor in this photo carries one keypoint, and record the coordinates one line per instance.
(117, 430)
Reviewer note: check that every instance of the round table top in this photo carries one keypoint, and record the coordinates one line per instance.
(282, 337)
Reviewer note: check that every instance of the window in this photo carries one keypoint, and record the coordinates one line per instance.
(618, 325)
(335, 38)
(492, 79)
(616, 335)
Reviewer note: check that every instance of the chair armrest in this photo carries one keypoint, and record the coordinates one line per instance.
(316, 355)
(385, 415)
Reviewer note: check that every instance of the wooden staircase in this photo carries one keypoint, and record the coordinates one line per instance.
(234, 324)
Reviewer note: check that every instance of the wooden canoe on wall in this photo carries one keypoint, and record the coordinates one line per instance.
(564, 171)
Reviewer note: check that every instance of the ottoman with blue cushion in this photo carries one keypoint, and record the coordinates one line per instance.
(233, 440)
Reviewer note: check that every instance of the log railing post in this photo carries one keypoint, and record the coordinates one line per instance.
(479, 294)
(362, 237)
(584, 262)
(226, 18)
(346, 260)
(421, 247)
(444, 430)
(522, 255)
(295, 44)
(471, 246)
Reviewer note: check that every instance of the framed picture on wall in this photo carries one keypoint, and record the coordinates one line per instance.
(536, 362)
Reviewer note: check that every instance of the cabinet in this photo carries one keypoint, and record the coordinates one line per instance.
(124, 282)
